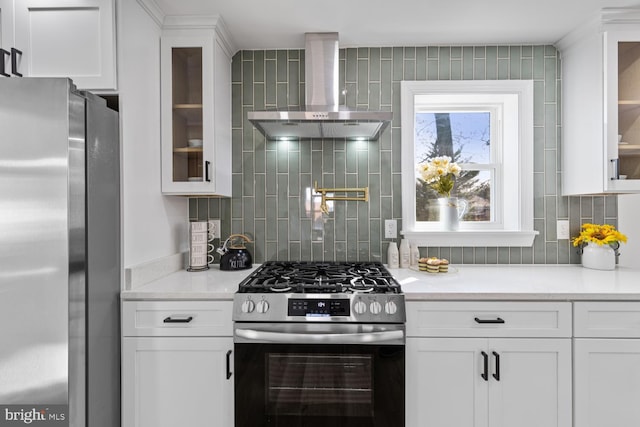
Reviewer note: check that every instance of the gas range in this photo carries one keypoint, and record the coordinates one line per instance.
(344, 292)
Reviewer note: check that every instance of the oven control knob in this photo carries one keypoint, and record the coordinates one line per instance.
(390, 307)
(262, 306)
(248, 306)
(375, 307)
(360, 307)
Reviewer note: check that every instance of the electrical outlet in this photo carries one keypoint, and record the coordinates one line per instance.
(214, 228)
(390, 229)
(562, 229)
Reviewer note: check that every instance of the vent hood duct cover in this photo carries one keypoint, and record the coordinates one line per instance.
(322, 117)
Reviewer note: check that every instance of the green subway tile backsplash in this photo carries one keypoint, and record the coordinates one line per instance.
(272, 181)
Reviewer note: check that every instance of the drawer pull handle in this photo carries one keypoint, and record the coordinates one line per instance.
(496, 375)
(496, 320)
(229, 373)
(485, 375)
(178, 319)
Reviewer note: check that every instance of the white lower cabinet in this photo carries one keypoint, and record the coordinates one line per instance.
(527, 382)
(177, 382)
(488, 381)
(534, 389)
(443, 383)
(607, 382)
(607, 364)
(177, 364)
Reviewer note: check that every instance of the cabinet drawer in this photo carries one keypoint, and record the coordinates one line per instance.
(489, 319)
(177, 318)
(606, 319)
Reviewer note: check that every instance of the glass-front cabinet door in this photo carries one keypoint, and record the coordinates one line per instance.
(187, 144)
(196, 105)
(622, 121)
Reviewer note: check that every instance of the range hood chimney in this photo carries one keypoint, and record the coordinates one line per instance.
(322, 117)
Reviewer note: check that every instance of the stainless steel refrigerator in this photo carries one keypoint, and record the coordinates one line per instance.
(59, 256)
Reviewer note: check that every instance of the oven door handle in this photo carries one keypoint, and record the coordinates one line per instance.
(315, 338)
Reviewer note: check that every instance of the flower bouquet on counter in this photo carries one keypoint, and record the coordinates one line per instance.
(600, 235)
(598, 245)
(440, 174)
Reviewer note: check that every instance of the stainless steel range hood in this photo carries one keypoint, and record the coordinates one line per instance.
(322, 117)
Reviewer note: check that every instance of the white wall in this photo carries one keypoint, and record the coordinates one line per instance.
(154, 226)
(629, 224)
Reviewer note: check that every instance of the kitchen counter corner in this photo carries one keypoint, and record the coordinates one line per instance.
(212, 284)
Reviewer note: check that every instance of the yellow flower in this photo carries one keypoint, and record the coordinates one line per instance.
(605, 234)
(440, 174)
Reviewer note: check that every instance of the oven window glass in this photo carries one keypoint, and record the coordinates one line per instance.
(309, 385)
(319, 385)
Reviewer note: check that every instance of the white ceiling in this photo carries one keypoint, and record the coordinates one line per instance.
(281, 24)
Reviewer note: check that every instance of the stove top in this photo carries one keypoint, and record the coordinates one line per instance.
(308, 291)
(310, 277)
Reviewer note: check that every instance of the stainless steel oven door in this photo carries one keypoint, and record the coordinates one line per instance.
(312, 375)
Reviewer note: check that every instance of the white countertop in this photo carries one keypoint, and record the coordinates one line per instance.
(463, 282)
(521, 282)
(212, 284)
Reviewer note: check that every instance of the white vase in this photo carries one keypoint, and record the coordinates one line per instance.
(451, 210)
(598, 257)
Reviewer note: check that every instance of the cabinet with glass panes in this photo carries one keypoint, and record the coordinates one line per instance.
(601, 105)
(629, 109)
(196, 110)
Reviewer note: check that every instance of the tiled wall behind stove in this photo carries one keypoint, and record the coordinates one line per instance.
(271, 179)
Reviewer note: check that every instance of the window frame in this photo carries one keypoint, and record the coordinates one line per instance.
(494, 167)
(514, 207)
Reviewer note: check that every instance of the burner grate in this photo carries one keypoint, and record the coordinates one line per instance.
(320, 277)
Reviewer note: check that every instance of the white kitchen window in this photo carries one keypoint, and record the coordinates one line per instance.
(487, 128)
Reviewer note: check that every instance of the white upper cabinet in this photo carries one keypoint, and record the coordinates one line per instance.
(67, 38)
(6, 38)
(196, 107)
(6, 23)
(601, 105)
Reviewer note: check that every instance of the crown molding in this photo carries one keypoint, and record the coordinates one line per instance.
(203, 22)
(184, 22)
(153, 10)
(620, 15)
(609, 18)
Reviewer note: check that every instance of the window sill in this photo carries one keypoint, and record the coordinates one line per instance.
(488, 238)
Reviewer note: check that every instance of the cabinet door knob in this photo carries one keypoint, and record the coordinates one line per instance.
(496, 374)
(485, 374)
(207, 164)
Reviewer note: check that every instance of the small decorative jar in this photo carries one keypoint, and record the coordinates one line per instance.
(598, 257)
